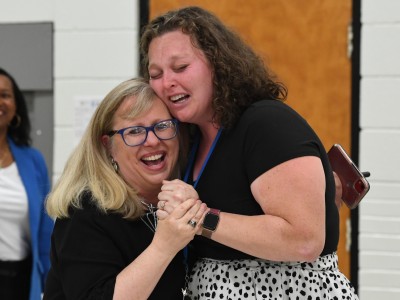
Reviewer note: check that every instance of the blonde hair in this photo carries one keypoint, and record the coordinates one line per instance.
(89, 167)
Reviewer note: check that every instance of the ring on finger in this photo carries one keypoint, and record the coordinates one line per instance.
(161, 204)
(192, 223)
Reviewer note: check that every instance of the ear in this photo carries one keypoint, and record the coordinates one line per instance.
(105, 140)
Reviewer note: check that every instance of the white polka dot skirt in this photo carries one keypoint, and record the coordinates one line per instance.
(261, 279)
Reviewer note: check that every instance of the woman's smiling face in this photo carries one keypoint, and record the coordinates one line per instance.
(145, 166)
(7, 102)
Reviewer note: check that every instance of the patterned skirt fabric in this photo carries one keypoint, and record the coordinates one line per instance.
(262, 279)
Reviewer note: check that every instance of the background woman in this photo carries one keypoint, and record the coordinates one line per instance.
(24, 184)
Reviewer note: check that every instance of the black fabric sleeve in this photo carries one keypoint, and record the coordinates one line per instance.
(91, 248)
(275, 134)
(89, 260)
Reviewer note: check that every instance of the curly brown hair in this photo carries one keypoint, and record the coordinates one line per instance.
(240, 77)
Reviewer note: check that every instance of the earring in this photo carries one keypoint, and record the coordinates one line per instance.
(17, 123)
(115, 165)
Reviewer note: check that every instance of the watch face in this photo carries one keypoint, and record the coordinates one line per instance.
(211, 221)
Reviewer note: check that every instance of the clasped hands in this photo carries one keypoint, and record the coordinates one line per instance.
(172, 196)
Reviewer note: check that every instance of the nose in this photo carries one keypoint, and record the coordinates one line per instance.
(152, 139)
(169, 79)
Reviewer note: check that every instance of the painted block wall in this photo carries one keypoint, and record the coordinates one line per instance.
(379, 227)
(95, 48)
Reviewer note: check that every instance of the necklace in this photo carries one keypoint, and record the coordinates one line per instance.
(150, 218)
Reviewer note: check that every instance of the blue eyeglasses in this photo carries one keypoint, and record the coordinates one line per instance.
(137, 135)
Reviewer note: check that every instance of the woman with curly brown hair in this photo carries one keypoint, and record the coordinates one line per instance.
(274, 229)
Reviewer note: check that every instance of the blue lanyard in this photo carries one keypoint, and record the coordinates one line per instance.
(190, 165)
(188, 169)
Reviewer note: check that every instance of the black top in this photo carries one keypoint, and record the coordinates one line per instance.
(90, 248)
(269, 133)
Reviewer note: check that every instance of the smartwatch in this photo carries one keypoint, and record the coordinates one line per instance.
(210, 222)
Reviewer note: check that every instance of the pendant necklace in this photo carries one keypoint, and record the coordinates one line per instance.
(150, 218)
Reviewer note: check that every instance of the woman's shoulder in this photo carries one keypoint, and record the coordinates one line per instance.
(270, 112)
(34, 152)
(88, 223)
(27, 151)
(88, 208)
(270, 107)
(86, 205)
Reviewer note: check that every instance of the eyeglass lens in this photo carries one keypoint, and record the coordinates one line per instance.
(137, 135)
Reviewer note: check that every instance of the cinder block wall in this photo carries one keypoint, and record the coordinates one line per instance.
(95, 48)
(379, 230)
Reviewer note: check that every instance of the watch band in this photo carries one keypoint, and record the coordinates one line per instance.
(214, 211)
(207, 232)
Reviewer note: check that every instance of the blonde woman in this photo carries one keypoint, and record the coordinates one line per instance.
(107, 242)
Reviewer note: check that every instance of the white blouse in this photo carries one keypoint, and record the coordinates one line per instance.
(15, 236)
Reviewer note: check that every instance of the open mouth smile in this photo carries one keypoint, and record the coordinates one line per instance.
(153, 159)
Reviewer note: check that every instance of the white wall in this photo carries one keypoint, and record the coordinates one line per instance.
(379, 238)
(95, 48)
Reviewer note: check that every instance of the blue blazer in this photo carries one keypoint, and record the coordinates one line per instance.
(33, 172)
